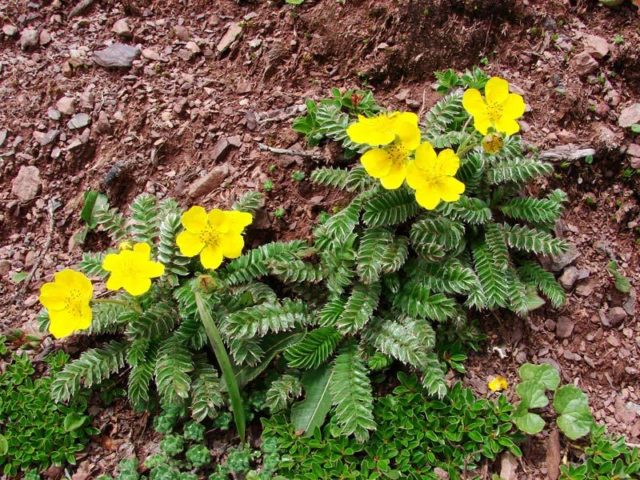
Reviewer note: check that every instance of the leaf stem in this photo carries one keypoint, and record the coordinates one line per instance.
(217, 345)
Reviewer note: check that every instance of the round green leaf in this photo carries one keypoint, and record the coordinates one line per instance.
(570, 398)
(575, 424)
(532, 395)
(530, 423)
(543, 374)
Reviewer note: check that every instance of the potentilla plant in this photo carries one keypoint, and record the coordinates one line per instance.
(166, 295)
(438, 227)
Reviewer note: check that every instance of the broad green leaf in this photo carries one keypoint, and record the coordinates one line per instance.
(92, 201)
(570, 398)
(530, 423)
(532, 395)
(310, 413)
(19, 277)
(575, 424)
(544, 374)
(74, 421)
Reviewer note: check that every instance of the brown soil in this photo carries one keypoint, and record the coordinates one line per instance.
(156, 127)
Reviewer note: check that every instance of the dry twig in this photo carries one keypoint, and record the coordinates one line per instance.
(289, 151)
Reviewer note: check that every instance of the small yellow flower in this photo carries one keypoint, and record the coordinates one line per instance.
(132, 270)
(498, 383)
(213, 235)
(126, 245)
(67, 302)
(499, 109)
(432, 176)
(492, 143)
(397, 134)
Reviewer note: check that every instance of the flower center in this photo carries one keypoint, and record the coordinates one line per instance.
(210, 236)
(495, 111)
(398, 155)
(72, 301)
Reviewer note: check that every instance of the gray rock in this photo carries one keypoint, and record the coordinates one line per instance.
(27, 183)
(629, 116)
(616, 316)
(557, 262)
(9, 30)
(28, 39)
(564, 327)
(79, 120)
(66, 105)
(569, 278)
(230, 36)
(44, 38)
(117, 55)
(150, 54)
(587, 288)
(209, 182)
(595, 46)
(584, 64)
(103, 125)
(629, 304)
(182, 33)
(45, 138)
(122, 28)
(53, 114)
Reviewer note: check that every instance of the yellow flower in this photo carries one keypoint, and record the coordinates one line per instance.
(498, 383)
(432, 176)
(399, 136)
(498, 110)
(213, 235)
(131, 269)
(67, 301)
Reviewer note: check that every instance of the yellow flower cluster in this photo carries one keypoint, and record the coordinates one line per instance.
(213, 235)
(398, 155)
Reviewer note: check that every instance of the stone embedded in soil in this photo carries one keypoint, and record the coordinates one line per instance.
(209, 182)
(181, 33)
(53, 113)
(629, 116)
(595, 46)
(44, 38)
(616, 316)
(569, 278)
(587, 288)
(66, 105)
(45, 138)
(27, 183)
(508, 467)
(622, 413)
(557, 262)
(103, 125)
(584, 64)
(5, 267)
(633, 151)
(28, 39)
(79, 120)
(564, 327)
(9, 30)
(150, 54)
(122, 28)
(230, 36)
(117, 55)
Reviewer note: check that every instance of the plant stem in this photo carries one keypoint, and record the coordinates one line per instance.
(461, 148)
(220, 352)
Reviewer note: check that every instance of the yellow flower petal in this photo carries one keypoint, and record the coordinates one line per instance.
(217, 220)
(448, 161)
(428, 198)
(194, 219)
(189, 244)
(498, 383)
(115, 281)
(153, 269)
(111, 262)
(373, 131)
(449, 189)
(211, 257)
(473, 102)
(136, 285)
(238, 220)
(394, 178)
(482, 123)
(232, 245)
(142, 249)
(425, 156)
(407, 130)
(376, 162)
(53, 296)
(514, 106)
(496, 90)
(75, 281)
(64, 323)
(415, 177)
(507, 126)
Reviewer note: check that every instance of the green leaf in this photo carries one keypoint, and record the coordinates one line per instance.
(294, 2)
(4, 446)
(217, 345)
(575, 418)
(543, 374)
(621, 282)
(570, 398)
(575, 424)
(532, 395)
(19, 277)
(530, 423)
(74, 421)
(313, 349)
(93, 201)
(272, 345)
(310, 413)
